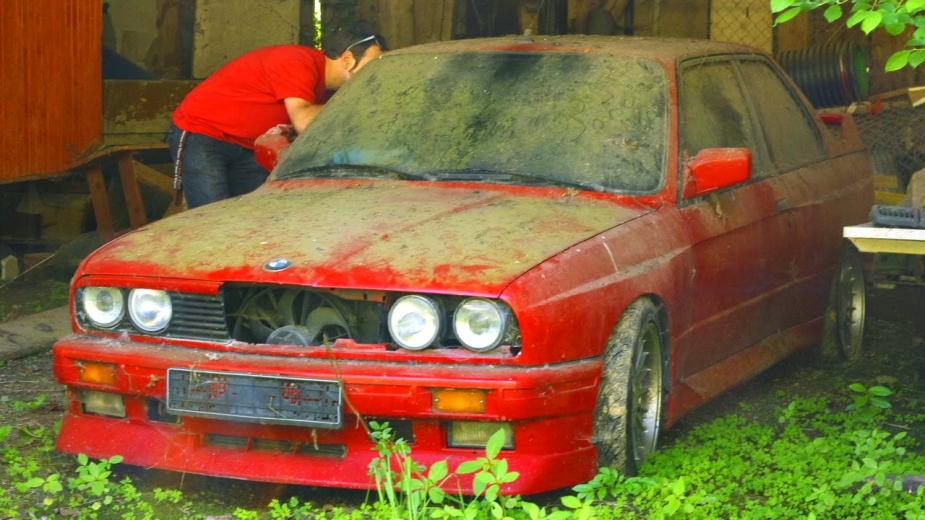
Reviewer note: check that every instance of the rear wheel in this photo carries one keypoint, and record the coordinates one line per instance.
(628, 415)
(843, 328)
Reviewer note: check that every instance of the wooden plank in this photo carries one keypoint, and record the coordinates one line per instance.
(460, 12)
(50, 81)
(133, 202)
(106, 151)
(578, 16)
(397, 18)
(887, 198)
(447, 20)
(141, 106)
(423, 12)
(794, 35)
(101, 210)
(887, 182)
(156, 179)
(914, 95)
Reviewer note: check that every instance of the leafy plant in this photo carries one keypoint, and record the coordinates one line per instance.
(92, 481)
(872, 397)
(895, 16)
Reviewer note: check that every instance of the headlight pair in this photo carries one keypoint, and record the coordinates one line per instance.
(416, 322)
(149, 309)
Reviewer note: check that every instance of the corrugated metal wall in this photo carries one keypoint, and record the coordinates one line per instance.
(50, 84)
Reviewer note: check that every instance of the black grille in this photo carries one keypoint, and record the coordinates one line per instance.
(198, 316)
(195, 316)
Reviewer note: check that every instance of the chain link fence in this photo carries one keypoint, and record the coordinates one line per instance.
(742, 21)
(895, 138)
(893, 131)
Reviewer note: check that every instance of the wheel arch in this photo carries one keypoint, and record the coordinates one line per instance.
(664, 330)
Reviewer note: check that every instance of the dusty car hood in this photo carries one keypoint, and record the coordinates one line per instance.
(372, 234)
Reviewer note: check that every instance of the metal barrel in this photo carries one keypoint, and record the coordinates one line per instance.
(833, 74)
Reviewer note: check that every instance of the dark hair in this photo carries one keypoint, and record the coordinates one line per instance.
(357, 38)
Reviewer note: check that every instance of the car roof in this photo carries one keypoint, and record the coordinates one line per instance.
(659, 49)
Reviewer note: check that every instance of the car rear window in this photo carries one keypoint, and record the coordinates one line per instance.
(595, 121)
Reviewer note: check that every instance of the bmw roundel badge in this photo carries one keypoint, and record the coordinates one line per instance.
(277, 264)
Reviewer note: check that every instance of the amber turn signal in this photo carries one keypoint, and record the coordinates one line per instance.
(97, 373)
(449, 400)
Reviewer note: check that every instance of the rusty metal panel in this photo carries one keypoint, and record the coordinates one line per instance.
(51, 108)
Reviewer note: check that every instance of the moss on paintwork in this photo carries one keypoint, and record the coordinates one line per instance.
(375, 233)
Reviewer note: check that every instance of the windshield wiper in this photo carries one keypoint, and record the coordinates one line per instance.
(473, 174)
(348, 171)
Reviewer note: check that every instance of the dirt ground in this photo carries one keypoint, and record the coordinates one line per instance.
(892, 358)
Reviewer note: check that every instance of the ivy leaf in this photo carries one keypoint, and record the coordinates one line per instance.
(509, 477)
(856, 18)
(494, 444)
(469, 466)
(914, 5)
(880, 391)
(834, 13)
(895, 29)
(34, 482)
(790, 14)
(479, 483)
(438, 471)
(897, 61)
(871, 21)
(779, 5)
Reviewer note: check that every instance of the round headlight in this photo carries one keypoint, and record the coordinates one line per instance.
(104, 305)
(480, 324)
(414, 322)
(150, 310)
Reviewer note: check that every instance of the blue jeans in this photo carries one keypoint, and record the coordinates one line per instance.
(214, 170)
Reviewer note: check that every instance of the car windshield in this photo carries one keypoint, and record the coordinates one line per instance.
(562, 119)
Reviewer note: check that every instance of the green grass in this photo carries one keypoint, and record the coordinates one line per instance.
(818, 457)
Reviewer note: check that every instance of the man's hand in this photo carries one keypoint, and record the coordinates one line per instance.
(301, 112)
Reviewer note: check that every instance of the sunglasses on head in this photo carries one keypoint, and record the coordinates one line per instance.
(364, 40)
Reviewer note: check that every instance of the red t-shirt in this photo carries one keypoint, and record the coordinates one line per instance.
(243, 99)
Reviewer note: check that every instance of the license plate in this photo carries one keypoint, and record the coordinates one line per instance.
(254, 398)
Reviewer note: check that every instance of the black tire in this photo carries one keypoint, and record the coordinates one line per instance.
(628, 415)
(846, 311)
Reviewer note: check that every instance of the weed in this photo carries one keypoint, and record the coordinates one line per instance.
(823, 458)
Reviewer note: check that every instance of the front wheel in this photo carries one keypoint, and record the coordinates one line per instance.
(846, 312)
(628, 415)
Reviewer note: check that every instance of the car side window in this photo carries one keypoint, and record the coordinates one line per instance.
(793, 139)
(713, 111)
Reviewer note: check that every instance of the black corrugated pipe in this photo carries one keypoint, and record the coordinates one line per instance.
(833, 74)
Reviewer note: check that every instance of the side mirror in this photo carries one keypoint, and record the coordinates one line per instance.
(268, 148)
(715, 168)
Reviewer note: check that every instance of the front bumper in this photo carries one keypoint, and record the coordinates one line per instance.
(550, 408)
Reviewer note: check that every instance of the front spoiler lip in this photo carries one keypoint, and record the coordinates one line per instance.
(372, 387)
(551, 408)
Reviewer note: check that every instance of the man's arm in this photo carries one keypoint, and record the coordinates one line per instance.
(301, 112)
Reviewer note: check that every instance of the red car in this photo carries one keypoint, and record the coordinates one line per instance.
(574, 239)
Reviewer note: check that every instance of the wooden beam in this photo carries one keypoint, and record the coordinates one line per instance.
(794, 35)
(133, 202)
(100, 200)
(447, 19)
(397, 22)
(155, 179)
